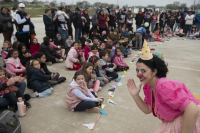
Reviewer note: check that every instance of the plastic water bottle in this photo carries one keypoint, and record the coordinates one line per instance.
(21, 107)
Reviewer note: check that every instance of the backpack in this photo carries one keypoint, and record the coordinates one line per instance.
(9, 122)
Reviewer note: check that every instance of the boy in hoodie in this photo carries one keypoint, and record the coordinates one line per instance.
(106, 69)
(139, 33)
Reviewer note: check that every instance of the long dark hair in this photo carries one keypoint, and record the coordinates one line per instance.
(20, 48)
(156, 63)
(38, 55)
(77, 74)
(10, 53)
(46, 41)
(83, 69)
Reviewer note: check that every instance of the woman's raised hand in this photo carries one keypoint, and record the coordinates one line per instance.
(132, 87)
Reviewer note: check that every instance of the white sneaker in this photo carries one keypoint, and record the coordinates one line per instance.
(34, 95)
(60, 60)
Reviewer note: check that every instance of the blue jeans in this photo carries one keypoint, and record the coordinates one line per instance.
(5, 102)
(188, 28)
(78, 34)
(138, 26)
(176, 25)
(45, 93)
(63, 33)
(153, 26)
(192, 37)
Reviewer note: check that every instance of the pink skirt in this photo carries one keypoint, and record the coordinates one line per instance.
(175, 126)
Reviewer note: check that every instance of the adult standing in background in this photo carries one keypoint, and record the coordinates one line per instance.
(122, 18)
(49, 23)
(22, 25)
(13, 13)
(197, 20)
(178, 19)
(154, 21)
(112, 20)
(188, 22)
(77, 21)
(139, 19)
(6, 20)
(94, 17)
(101, 21)
(69, 22)
(86, 28)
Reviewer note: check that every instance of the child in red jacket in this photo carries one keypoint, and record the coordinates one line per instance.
(34, 48)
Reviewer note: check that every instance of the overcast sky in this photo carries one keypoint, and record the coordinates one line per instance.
(132, 2)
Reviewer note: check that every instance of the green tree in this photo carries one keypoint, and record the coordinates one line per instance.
(7, 1)
(172, 6)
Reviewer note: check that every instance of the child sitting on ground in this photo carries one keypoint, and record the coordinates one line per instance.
(94, 51)
(35, 46)
(80, 53)
(118, 60)
(193, 33)
(10, 92)
(38, 80)
(15, 44)
(42, 60)
(24, 54)
(168, 33)
(104, 37)
(116, 44)
(72, 62)
(87, 48)
(61, 18)
(124, 49)
(107, 69)
(109, 50)
(102, 46)
(58, 50)
(68, 44)
(79, 98)
(92, 83)
(160, 33)
(115, 36)
(5, 49)
(13, 64)
(125, 32)
(148, 36)
(102, 78)
(110, 41)
(133, 41)
(179, 32)
(155, 37)
(83, 39)
(96, 41)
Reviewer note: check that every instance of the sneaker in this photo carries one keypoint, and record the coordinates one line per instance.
(34, 95)
(60, 60)
(12, 108)
(28, 105)
(93, 110)
(49, 63)
(61, 79)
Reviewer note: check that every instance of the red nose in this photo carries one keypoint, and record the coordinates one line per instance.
(139, 75)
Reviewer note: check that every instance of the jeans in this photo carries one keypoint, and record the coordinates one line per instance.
(176, 25)
(5, 102)
(153, 25)
(192, 37)
(45, 93)
(188, 28)
(12, 98)
(78, 34)
(64, 34)
(138, 26)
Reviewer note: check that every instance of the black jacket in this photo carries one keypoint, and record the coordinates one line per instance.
(111, 21)
(4, 19)
(147, 20)
(38, 80)
(82, 39)
(161, 16)
(49, 24)
(87, 18)
(23, 59)
(57, 42)
(162, 23)
(178, 18)
(46, 70)
(77, 21)
(47, 51)
(139, 19)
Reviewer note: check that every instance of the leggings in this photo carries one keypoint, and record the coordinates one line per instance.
(95, 86)
(83, 105)
(11, 96)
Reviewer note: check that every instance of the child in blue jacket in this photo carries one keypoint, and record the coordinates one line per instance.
(124, 49)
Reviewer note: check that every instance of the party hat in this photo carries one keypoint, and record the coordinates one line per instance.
(146, 52)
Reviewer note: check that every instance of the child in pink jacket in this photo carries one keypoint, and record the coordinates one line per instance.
(87, 48)
(13, 64)
(118, 60)
(179, 32)
(155, 37)
(5, 49)
(72, 62)
(94, 51)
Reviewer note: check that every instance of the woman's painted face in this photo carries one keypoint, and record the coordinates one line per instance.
(80, 80)
(144, 73)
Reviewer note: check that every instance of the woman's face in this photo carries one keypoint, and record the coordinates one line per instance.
(89, 70)
(23, 49)
(101, 13)
(5, 11)
(86, 12)
(80, 80)
(42, 59)
(147, 74)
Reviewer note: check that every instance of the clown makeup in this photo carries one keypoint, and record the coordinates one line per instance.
(144, 73)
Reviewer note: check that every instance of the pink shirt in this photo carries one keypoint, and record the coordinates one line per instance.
(118, 60)
(171, 98)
